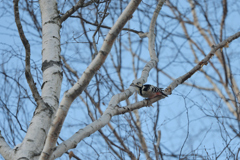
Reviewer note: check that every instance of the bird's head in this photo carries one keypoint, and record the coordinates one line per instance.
(137, 85)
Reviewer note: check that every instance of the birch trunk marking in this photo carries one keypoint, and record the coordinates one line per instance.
(32, 143)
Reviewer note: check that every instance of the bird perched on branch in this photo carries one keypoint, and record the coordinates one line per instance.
(147, 90)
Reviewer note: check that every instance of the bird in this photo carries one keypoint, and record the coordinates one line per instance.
(148, 91)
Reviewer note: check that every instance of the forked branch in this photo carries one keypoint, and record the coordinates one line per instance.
(81, 84)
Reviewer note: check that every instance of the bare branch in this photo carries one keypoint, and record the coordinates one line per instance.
(157, 145)
(159, 138)
(137, 105)
(224, 15)
(98, 27)
(151, 46)
(139, 33)
(125, 148)
(68, 67)
(91, 128)
(220, 55)
(203, 62)
(225, 147)
(151, 35)
(77, 89)
(196, 23)
(185, 83)
(5, 150)
(151, 64)
(36, 123)
(26, 45)
(79, 4)
(191, 42)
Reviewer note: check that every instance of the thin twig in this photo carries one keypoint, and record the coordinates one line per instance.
(26, 45)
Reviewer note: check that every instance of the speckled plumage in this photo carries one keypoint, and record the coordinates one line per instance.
(148, 91)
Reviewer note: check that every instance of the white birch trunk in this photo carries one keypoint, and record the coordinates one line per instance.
(51, 66)
(33, 143)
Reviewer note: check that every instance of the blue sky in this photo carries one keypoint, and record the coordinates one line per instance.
(186, 113)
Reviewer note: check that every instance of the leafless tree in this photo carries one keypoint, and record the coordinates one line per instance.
(67, 66)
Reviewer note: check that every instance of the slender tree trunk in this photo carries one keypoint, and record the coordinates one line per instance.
(33, 143)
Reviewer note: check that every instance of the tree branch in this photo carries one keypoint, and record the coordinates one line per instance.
(151, 46)
(79, 4)
(113, 108)
(36, 129)
(26, 45)
(108, 141)
(81, 84)
(107, 115)
(157, 146)
(179, 80)
(151, 64)
(139, 33)
(203, 62)
(5, 150)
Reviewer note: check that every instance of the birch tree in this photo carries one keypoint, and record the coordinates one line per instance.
(79, 60)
